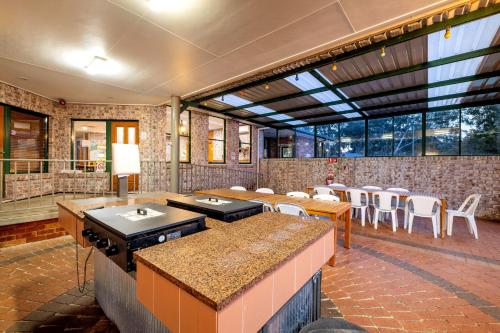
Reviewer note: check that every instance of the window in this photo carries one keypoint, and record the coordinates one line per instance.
(442, 133)
(480, 130)
(89, 144)
(380, 137)
(270, 137)
(216, 140)
(327, 140)
(352, 138)
(286, 143)
(305, 141)
(184, 137)
(408, 135)
(28, 140)
(245, 144)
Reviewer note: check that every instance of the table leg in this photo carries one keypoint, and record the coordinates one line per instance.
(331, 262)
(347, 230)
(443, 217)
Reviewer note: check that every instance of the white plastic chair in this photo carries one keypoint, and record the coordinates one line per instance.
(399, 190)
(322, 190)
(468, 214)
(326, 197)
(424, 206)
(355, 196)
(298, 195)
(238, 188)
(266, 207)
(337, 185)
(265, 190)
(383, 203)
(291, 209)
(371, 188)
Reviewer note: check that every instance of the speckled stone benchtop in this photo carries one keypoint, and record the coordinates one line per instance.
(219, 264)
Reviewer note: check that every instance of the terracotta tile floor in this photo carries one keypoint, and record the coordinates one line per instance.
(400, 282)
(387, 283)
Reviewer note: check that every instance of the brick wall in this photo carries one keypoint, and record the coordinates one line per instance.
(30, 232)
(454, 176)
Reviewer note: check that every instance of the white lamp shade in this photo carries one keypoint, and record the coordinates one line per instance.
(125, 159)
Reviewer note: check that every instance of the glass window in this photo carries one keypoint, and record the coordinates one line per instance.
(380, 137)
(184, 136)
(28, 140)
(245, 145)
(305, 141)
(352, 138)
(408, 135)
(286, 143)
(216, 140)
(442, 133)
(89, 144)
(327, 140)
(269, 136)
(480, 130)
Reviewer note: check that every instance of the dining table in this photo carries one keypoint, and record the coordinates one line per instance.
(332, 210)
(341, 191)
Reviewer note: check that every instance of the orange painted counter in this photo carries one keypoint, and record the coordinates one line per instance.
(233, 277)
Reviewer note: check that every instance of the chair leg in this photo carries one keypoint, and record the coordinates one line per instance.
(449, 224)
(434, 226)
(375, 218)
(369, 214)
(410, 222)
(472, 221)
(394, 221)
(405, 219)
(363, 213)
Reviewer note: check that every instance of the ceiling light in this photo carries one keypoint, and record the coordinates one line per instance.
(205, 104)
(169, 5)
(96, 65)
(382, 51)
(447, 33)
(222, 98)
(296, 77)
(267, 87)
(334, 66)
(85, 128)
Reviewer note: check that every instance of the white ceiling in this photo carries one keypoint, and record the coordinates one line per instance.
(173, 52)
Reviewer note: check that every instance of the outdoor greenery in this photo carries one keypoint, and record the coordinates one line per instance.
(467, 131)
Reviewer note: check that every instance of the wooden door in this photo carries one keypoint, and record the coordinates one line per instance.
(125, 132)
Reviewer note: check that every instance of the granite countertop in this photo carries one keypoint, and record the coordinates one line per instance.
(219, 264)
(79, 205)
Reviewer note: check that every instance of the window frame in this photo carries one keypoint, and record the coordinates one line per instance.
(246, 143)
(223, 141)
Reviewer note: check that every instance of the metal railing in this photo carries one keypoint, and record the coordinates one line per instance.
(39, 183)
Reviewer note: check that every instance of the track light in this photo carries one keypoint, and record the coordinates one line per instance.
(222, 98)
(334, 66)
(205, 104)
(382, 51)
(296, 77)
(447, 33)
(267, 87)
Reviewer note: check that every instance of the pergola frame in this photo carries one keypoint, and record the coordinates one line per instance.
(200, 103)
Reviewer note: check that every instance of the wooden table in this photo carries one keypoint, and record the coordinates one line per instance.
(341, 191)
(233, 194)
(332, 210)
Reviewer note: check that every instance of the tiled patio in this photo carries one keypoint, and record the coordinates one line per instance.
(387, 283)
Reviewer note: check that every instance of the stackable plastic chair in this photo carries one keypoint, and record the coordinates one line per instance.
(383, 203)
(424, 206)
(400, 190)
(326, 197)
(466, 210)
(298, 195)
(322, 190)
(265, 190)
(238, 188)
(372, 189)
(291, 209)
(337, 185)
(266, 207)
(355, 196)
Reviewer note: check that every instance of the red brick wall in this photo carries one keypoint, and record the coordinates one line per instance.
(30, 232)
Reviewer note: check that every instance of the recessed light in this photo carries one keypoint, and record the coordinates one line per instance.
(169, 5)
(22, 78)
(94, 62)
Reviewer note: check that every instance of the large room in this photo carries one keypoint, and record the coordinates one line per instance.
(250, 166)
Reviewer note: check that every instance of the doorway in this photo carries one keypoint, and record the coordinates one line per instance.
(126, 132)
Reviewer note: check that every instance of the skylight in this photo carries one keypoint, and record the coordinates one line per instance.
(237, 101)
(464, 38)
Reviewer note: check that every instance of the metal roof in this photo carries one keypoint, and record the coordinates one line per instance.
(425, 73)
